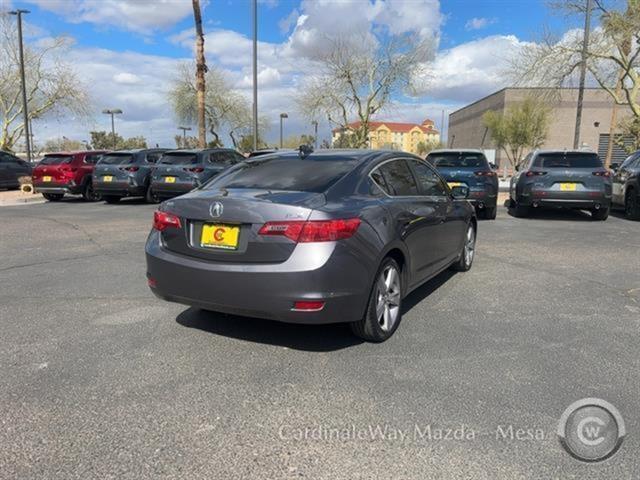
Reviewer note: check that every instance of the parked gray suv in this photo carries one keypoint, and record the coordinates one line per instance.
(180, 171)
(573, 179)
(126, 173)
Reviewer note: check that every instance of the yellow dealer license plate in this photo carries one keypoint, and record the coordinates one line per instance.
(46, 179)
(568, 187)
(454, 184)
(169, 179)
(108, 178)
(220, 236)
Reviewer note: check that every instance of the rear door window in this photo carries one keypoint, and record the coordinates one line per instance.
(398, 178)
(56, 160)
(92, 158)
(289, 174)
(429, 182)
(458, 160)
(181, 158)
(567, 160)
(117, 159)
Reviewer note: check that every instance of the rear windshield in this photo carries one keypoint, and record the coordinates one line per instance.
(567, 160)
(117, 159)
(56, 159)
(458, 160)
(289, 174)
(179, 159)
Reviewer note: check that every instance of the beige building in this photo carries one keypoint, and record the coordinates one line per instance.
(396, 136)
(466, 129)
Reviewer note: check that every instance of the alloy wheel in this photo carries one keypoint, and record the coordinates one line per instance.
(469, 246)
(388, 298)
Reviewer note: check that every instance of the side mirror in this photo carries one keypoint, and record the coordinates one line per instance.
(460, 191)
(517, 168)
(614, 166)
(493, 166)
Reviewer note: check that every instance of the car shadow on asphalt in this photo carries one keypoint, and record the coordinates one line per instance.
(312, 338)
(556, 214)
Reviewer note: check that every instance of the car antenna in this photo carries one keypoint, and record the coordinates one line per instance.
(305, 150)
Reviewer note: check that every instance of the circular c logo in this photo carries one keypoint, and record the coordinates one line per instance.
(218, 234)
(591, 429)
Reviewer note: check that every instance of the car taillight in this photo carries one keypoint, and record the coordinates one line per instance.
(534, 174)
(313, 230)
(606, 173)
(484, 174)
(195, 170)
(164, 220)
(132, 169)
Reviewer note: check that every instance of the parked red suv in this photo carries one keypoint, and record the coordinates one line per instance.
(66, 172)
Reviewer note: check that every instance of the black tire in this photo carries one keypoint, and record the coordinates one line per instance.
(111, 198)
(371, 328)
(490, 213)
(600, 214)
(53, 197)
(465, 261)
(632, 205)
(520, 211)
(89, 194)
(151, 197)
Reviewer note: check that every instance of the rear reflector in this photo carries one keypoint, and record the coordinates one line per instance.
(534, 174)
(484, 174)
(151, 282)
(195, 169)
(312, 231)
(309, 305)
(164, 220)
(606, 173)
(132, 169)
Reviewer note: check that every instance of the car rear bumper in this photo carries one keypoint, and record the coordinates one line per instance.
(553, 198)
(163, 189)
(57, 188)
(119, 189)
(315, 271)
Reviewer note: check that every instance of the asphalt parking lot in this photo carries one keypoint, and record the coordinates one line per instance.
(102, 380)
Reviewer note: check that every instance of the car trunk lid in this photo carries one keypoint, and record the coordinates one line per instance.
(239, 213)
(54, 168)
(114, 167)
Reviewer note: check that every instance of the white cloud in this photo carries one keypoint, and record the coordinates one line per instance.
(126, 78)
(478, 23)
(142, 16)
(470, 70)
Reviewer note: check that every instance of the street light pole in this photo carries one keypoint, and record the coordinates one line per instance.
(282, 117)
(184, 135)
(315, 133)
(255, 74)
(112, 112)
(583, 73)
(25, 110)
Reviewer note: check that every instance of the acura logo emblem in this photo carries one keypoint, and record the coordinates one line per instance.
(216, 209)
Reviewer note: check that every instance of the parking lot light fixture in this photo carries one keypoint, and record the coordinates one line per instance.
(18, 13)
(112, 112)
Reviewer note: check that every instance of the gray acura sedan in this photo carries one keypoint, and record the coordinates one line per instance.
(325, 237)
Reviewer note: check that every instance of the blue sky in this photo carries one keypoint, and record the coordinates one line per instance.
(127, 51)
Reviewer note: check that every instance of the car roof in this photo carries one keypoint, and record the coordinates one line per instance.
(454, 150)
(329, 154)
(538, 152)
(78, 152)
(200, 150)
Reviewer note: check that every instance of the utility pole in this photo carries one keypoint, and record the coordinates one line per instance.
(255, 74)
(315, 133)
(25, 111)
(112, 112)
(282, 117)
(583, 73)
